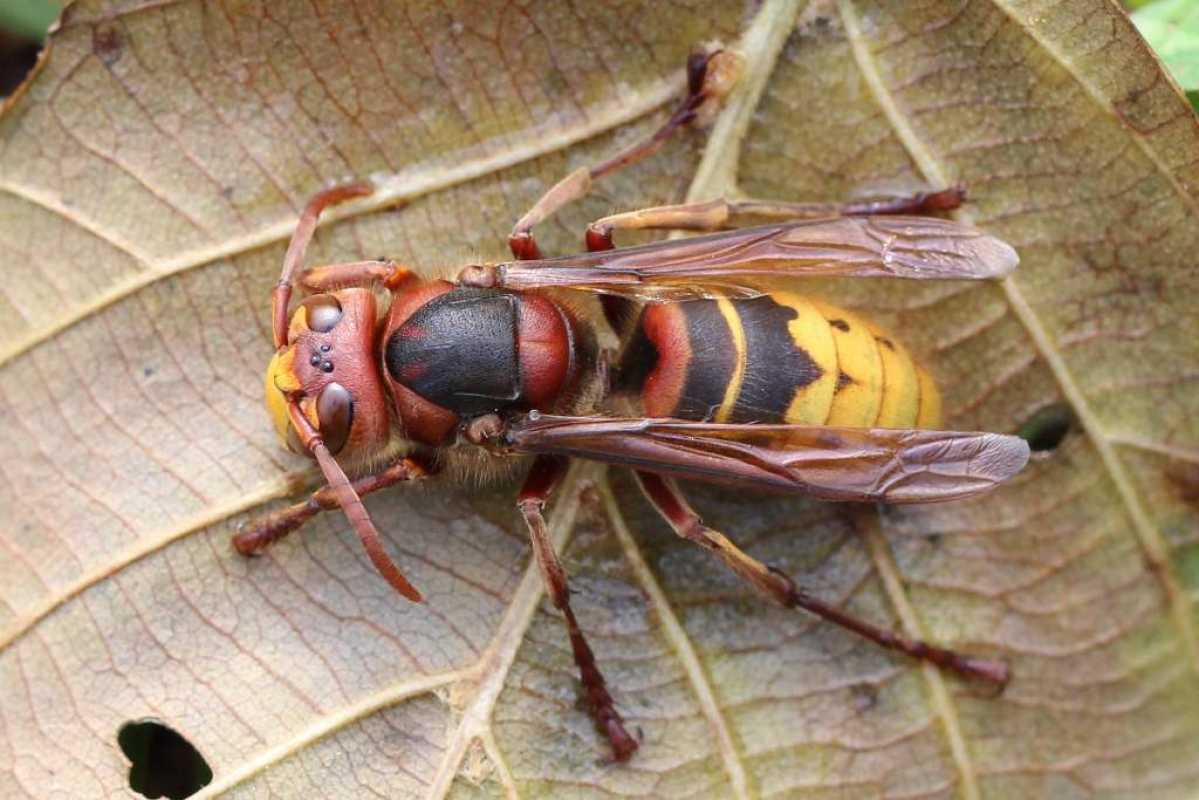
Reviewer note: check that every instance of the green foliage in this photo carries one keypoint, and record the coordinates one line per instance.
(1172, 28)
(29, 19)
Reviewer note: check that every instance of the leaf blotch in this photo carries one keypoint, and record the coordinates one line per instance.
(1183, 476)
(107, 42)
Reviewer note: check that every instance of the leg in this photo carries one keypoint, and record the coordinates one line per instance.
(542, 480)
(673, 507)
(281, 295)
(353, 273)
(710, 77)
(717, 215)
(278, 524)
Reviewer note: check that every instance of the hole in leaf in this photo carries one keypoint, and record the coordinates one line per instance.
(1045, 429)
(17, 59)
(164, 763)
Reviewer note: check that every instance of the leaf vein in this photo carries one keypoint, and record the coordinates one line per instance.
(271, 490)
(330, 723)
(675, 634)
(496, 662)
(390, 190)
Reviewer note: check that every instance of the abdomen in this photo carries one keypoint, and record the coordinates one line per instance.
(781, 357)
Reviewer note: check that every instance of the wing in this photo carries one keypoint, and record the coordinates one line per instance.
(727, 263)
(879, 464)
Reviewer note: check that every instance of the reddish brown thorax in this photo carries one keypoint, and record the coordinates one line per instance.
(451, 353)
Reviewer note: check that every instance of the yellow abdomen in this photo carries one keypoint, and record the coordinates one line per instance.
(781, 357)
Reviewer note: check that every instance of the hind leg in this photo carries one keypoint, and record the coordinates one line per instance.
(710, 76)
(664, 495)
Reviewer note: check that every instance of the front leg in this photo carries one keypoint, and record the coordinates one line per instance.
(543, 478)
(331, 276)
(256, 537)
(281, 296)
(669, 502)
(354, 273)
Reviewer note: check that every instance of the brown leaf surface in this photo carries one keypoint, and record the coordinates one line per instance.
(149, 177)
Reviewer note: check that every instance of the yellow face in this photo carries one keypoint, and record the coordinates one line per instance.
(281, 378)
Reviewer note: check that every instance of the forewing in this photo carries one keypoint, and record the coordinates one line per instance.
(733, 263)
(876, 464)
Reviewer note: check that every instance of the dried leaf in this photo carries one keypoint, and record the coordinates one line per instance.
(149, 177)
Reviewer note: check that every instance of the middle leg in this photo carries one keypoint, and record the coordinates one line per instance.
(543, 478)
(718, 215)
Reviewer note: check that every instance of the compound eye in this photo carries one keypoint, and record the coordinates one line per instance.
(335, 412)
(323, 312)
